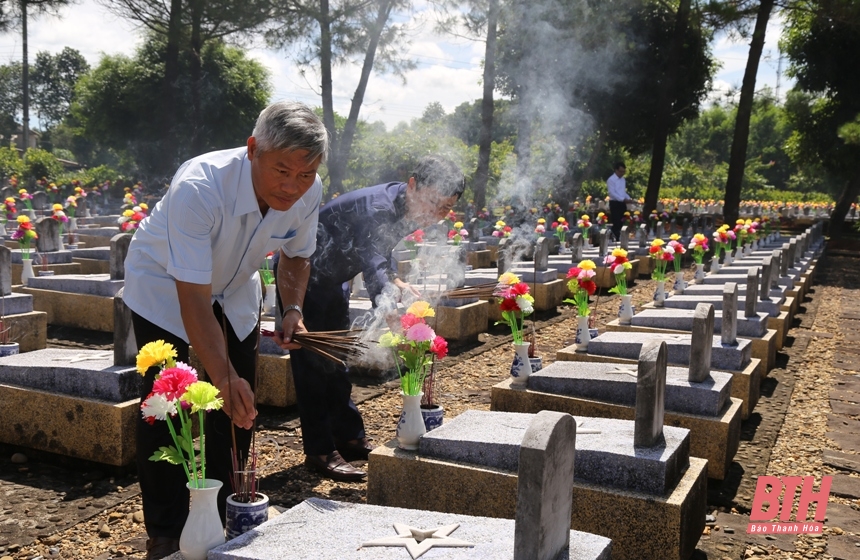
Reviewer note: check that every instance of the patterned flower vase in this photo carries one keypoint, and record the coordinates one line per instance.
(521, 367)
(433, 415)
(700, 272)
(660, 293)
(679, 285)
(9, 349)
(583, 334)
(625, 312)
(410, 427)
(203, 530)
(536, 363)
(242, 517)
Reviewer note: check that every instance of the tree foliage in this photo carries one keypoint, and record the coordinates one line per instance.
(52, 81)
(116, 100)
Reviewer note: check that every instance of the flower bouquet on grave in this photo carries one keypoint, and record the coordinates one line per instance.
(412, 240)
(560, 228)
(130, 219)
(501, 230)
(679, 249)
(415, 348)
(52, 190)
(662, 254)
(653, 218)
(741, 230)
(128, 200)
(59, 215)
(584, 224)
(9, 212)
(25, 234)
(619, 264)
(580, 282)
(601, 220)
(540, 228)
(699, 246)
(177, 395)
(457, 234)
(27, 199)
(515, 303)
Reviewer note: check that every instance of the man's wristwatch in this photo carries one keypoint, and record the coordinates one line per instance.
(292, 307)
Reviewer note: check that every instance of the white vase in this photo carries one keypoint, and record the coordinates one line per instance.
(729, 259)
(32, 214)
(27, 271)
(270, 300)
(410, 427)
(678, 286)
(73, 225)
(715, 265)
(625, 312)
(660, 293)
(521, 367)
(700, 272)
(583, 334)
(203, 530)
(244, 516)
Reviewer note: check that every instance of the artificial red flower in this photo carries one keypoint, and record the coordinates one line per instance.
(589, 286)
(653, 249)
(668, 256)
(409, 320)
(519, 289)
(172, 382)
(509, 304)
(439, 346)
(573, 272)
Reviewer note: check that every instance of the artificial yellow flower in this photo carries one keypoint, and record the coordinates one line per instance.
(541, 220)
(23, 219)
(421, 309)
(155, 353)
(10, 200)
(56, 207)
(584, 217)
(144, 206)
(619, 252)
(458, 225)
(561, 220)
(509, 279)
(657, 242)
(128, 213)
(202, 396)
(587, 265)
(500, 224)
(674, 237)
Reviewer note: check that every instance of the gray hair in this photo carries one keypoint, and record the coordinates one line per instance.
(290, 125)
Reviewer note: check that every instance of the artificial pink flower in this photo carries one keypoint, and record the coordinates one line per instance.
(173, 381)
(420, 332)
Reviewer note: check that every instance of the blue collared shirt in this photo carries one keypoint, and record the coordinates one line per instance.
(208, 229)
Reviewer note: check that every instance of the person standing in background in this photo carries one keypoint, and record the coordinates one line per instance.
(618, 198)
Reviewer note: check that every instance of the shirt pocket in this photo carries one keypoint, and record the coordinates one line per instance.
(274, 243)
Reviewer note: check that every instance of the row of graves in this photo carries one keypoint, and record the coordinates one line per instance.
(606, 453)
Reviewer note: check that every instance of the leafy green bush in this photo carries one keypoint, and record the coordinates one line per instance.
(41, 163)
(10, 163)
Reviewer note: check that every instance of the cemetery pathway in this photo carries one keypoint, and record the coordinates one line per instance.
(807, 423)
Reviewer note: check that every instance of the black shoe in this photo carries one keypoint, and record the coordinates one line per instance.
(355, 451)
(161, 547)
(335, 467)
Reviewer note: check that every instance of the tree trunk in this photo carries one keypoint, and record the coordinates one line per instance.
(737, 160)
(661, 128)
(341, 152)
(326, 90)
(522, 145)
(846, 199)
(197, 133)
(171, 75)
(25, 80)
(485, 144)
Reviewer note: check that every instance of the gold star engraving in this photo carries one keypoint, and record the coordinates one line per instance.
(85, 357)
(419, 541)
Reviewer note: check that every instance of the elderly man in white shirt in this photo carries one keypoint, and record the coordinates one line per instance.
(618, 198)
(192, 268)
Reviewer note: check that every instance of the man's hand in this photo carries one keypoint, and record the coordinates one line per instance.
(238, 400)
(406, 287)
(291, 324)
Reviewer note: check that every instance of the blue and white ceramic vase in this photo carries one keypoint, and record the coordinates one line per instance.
(410, 427)
(242, 516)
(521, 367)
(660, 293)
(700, 272)
(583, 334)
(203, 530)
(433, 414)
(679, 285)
(9, 349)
(625, 312)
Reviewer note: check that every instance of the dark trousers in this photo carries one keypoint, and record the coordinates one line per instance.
(162, 485)
(323, 389)
(617, 209)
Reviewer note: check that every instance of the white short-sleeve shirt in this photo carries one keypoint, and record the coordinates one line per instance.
(208, 229)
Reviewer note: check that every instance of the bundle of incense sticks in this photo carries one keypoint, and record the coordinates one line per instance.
(244, 480)
(480, 291)
(338, 346)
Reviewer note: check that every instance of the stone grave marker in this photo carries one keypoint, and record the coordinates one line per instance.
(474, 230)
(643, 235)
(766, 277)
(752, 292)
(5, 270)
(118, 250)
(701, 342)
(784, 264)
(650, 395)
(124, 343)
(792, 252)
(541, 259)
(625, 238)
(48, 230)
(545, 487)
(729, 326)
(40, 200)
(602, 237)
(776, 257)
(503, 256)
(82, 210)
(576, 248)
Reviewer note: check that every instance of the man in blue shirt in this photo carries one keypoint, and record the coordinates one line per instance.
(192, 268)
(357, 233)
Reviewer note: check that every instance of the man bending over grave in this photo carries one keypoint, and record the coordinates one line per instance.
(192, 268)
(357, 234)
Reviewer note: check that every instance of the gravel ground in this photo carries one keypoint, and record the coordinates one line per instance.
(794, 409)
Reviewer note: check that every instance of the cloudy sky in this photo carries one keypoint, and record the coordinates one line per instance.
(448, 70)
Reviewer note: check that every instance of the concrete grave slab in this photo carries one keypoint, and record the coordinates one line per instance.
(54, 257)
(688, 301)
(682, 320)
(91, 284)
(16, 304)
